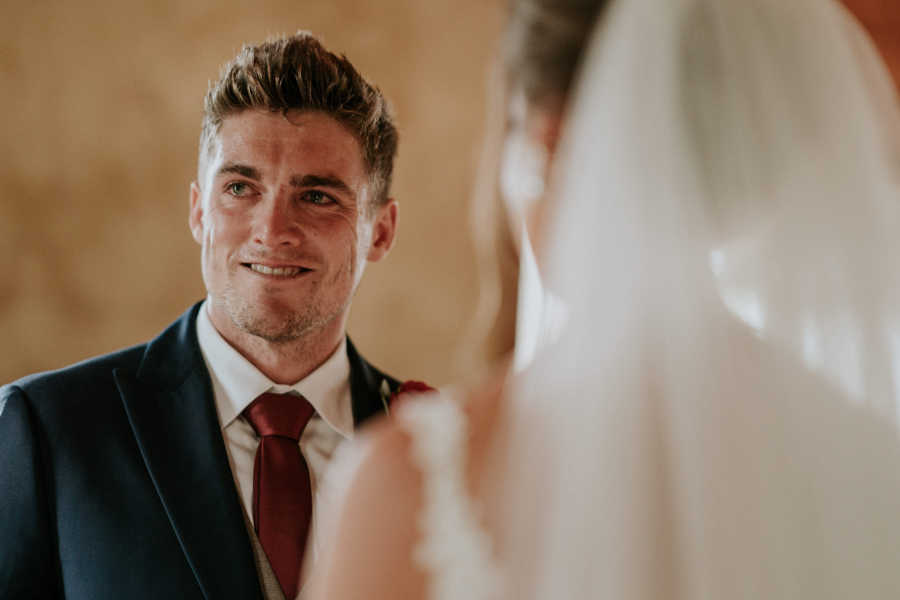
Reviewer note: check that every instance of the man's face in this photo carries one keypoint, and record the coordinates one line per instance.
(283, 214)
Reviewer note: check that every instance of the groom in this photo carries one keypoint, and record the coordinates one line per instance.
(171, 470)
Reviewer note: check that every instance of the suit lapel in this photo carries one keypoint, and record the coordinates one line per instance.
(172, 413)
(366, 387)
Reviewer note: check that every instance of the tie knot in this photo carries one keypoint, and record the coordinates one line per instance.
(282, 415)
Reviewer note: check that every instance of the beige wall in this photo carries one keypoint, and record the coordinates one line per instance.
(101, 108)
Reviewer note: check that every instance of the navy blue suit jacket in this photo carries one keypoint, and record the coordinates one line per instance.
(115, 483)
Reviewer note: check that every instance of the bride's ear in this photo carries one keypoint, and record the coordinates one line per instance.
(384, 229)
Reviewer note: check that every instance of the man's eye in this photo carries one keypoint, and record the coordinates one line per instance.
(238, 188)
(317, 197)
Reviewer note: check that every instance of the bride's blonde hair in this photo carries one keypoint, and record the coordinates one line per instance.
(539, 54)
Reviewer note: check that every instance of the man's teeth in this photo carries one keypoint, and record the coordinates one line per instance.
(279, 271)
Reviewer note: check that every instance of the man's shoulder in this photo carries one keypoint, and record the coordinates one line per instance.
(67, 402)
(94, 375)
(78, 377)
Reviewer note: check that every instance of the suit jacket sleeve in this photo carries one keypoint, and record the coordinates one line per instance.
(28, 561)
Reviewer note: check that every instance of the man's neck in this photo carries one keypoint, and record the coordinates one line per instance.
(285, 362)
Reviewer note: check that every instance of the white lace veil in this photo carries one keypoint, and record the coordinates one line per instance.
(719, 418)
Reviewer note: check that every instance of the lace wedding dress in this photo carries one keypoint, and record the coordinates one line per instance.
(454, 550)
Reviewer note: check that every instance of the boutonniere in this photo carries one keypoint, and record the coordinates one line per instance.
(407, 387)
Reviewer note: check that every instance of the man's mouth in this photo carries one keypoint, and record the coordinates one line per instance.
(286, 271)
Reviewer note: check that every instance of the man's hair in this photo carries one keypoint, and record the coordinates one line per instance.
(297, 73)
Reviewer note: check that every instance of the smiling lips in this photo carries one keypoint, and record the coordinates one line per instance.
(276, 271)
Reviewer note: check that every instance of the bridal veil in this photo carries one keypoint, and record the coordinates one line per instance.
(720, 416)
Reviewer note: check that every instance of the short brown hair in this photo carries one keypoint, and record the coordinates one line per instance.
(297, 73)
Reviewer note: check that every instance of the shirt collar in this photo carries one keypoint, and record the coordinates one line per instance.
(236, 382)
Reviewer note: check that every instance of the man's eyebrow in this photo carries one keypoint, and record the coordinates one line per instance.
(245, 170)
(328, 181)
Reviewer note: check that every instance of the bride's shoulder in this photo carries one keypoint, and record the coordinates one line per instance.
(384, 478)
(386, 456)
(378, 490)
(427, 418)
(385, 444)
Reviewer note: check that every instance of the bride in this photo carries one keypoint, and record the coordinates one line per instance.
(719, 416)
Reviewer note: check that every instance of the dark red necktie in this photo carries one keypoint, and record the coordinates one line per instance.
(282, 498)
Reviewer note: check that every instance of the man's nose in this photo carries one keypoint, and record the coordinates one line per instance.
(277, 224)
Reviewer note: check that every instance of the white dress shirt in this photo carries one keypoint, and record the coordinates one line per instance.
(236, 383)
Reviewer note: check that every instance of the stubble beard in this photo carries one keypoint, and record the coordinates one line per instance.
(281, 324)
(280, 329)
(276, 325)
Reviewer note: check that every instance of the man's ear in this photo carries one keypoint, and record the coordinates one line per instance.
(195, 217)
(384, 228)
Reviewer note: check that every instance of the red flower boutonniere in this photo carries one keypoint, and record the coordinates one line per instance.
(406, 388)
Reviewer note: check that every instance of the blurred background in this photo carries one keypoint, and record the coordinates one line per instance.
(101, 114)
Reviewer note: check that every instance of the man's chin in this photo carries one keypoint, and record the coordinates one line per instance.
(276, 337)
(269, 320)
(273, 329)
(278, 327)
